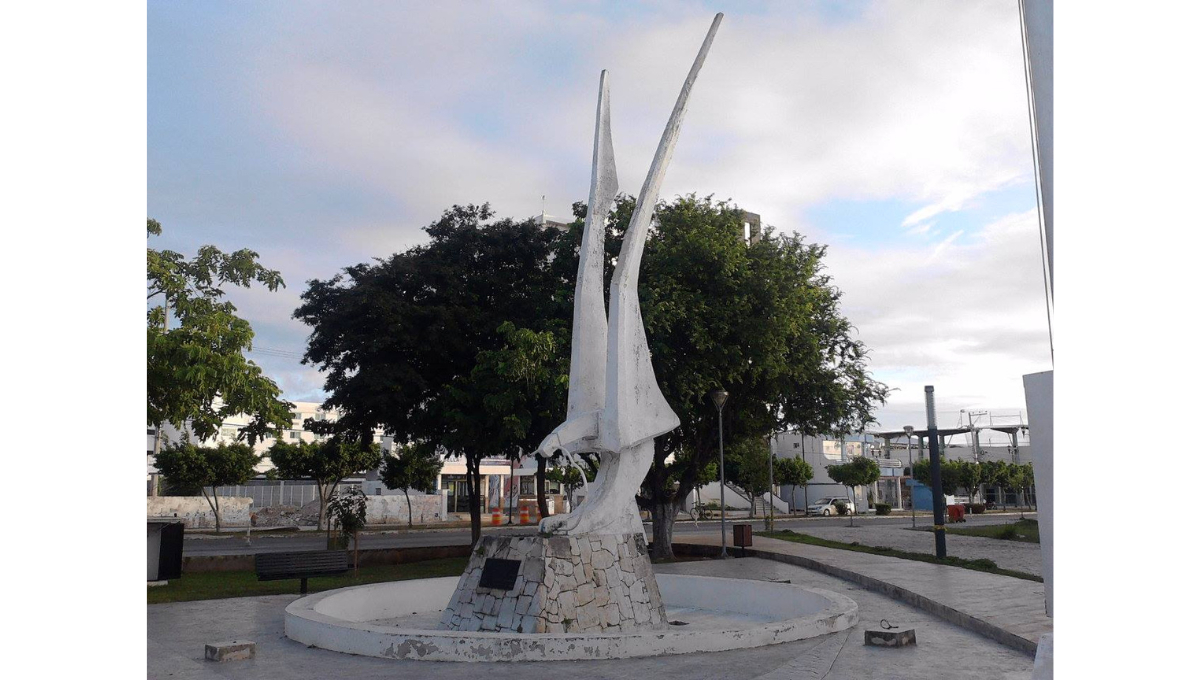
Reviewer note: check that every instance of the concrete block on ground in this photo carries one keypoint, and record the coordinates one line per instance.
(233, 650)
(890, 638)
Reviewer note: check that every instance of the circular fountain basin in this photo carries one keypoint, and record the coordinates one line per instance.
(399, 620)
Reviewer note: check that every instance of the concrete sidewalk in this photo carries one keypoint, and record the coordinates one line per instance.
(1008, 610)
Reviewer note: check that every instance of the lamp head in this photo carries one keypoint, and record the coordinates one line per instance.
(718, 397)
(908, 430)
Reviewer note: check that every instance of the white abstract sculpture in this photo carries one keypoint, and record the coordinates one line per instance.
(614, 406)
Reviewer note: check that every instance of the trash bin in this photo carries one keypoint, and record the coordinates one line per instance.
(956, 513)
(164, 549)
(743, 537)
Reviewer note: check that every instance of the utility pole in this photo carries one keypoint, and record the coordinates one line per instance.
(935, 469)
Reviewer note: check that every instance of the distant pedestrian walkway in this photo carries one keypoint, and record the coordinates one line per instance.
(1008, 610)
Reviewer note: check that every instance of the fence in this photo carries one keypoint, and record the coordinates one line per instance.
(272, 493)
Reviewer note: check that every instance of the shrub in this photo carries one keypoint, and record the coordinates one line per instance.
(978, 508)
(883, 509)
(1008, 533)
(348, 510)
(841, 507)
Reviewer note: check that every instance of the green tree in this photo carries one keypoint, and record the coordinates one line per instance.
(411, 468)
(348, 511)
(1003, 478)
(794, 472)
(327, 462)
(453, 345)
(969, 476)
(861, 471)
(188, 466)
(196, 372)
(759, 320)
(1022, 478)
(955, 474)
(746, 468)
(989, 473)
(569, 477)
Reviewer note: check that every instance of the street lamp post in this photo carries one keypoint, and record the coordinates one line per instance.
(908, 430)
(718, 398)
(770, 525)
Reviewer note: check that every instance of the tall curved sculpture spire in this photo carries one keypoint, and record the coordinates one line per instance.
(635, 409)
(614, 406)
(589, 328)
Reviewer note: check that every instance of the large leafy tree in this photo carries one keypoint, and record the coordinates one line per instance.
(412, 468)
(196, 372)
(859, 472)
(414, 343)
(187, 466)
(326, 461)
(759, 320)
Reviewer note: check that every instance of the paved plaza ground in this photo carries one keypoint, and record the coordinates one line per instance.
(1026, 557)
(178, 632)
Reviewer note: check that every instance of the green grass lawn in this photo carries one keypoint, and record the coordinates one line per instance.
(212, 585)
(977, 565)
(1023, 530)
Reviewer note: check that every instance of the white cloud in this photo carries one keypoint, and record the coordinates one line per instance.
(430, 104)
(433, 104)
(966, 316)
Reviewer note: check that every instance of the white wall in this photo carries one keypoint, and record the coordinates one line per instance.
(195, 511)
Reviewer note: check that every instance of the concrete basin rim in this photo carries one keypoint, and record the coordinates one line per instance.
(839, 614)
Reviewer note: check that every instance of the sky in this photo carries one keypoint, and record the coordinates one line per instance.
(325, 134)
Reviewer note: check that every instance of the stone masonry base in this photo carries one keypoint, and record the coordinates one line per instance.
(564, 584)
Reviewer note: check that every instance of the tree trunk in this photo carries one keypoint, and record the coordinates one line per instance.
(322, 501)
(662, 516)
(852, 499)
(473, 484)
(543, 507)
(215, 508)
(409, 501)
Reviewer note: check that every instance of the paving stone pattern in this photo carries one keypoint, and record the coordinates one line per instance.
(566, 584)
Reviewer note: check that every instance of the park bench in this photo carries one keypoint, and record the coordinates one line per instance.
(302, 565)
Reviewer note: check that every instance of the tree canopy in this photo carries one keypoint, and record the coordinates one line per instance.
(196, 372)
(860, 471)
(411, 467)
(455, 345)
(463, 343)
(187, 466)
(760, 320)
(327, 462)
(793, 472)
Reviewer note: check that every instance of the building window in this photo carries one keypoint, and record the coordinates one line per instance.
(150, 431)
(527, 486)
(293, 434)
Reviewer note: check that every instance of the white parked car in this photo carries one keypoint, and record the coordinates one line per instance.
(825, 506)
